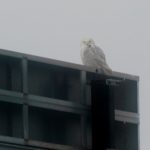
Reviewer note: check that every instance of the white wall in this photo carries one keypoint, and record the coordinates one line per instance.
(54, 28)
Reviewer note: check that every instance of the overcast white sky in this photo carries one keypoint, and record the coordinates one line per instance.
(54, 29)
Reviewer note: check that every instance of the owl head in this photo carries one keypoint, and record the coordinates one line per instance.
(89, 42)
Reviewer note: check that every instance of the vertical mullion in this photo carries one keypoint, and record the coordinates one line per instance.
(111, 117)
(25, 94)
(83, 87)
(24, 75)
(83, 116)
(138, 111)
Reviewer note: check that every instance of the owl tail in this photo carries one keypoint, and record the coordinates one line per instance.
(106, 69)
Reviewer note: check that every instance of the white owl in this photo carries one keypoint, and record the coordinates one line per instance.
(94, 56)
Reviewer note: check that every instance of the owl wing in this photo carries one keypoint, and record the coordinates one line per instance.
(98, 55)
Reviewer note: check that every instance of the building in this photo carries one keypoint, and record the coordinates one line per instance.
(50, 104)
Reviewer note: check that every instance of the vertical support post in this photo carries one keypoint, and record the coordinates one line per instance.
(24, 75)
(99, 115)
(111, 83)
(83, 87)
(138, 111)
(25, 97)
(83, 116)
(111, 117)
(102, 115)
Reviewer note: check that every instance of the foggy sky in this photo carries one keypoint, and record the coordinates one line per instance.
(54, 29)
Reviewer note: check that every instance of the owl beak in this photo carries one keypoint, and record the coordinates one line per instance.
(89, 45)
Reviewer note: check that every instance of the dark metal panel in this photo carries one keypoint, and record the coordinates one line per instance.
(126, 96)
(54, 126)
(11, 123)
(126, 136)
(54, 81)
(10, 77)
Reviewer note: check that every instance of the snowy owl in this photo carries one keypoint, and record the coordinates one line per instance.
(94, 56)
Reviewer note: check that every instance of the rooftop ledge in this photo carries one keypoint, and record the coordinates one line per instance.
(64, 64)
